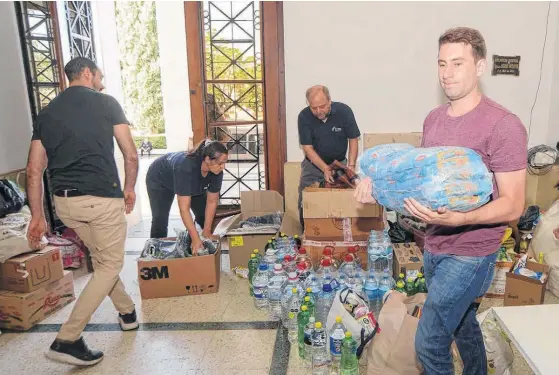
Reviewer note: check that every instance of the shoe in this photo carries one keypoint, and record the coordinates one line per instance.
(74, 353)
(128, 322)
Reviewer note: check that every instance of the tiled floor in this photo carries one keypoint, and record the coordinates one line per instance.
(219, 333)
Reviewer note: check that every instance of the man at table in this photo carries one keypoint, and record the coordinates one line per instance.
(461, 248)
(325, 130)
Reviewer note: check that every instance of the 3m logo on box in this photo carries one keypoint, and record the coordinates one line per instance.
(151, 273)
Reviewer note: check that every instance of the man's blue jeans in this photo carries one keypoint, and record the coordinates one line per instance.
(453, 283)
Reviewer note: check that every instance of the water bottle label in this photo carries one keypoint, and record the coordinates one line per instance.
(258, 293)
(336, 346)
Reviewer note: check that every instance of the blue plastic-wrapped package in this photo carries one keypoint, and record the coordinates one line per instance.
(452, 177)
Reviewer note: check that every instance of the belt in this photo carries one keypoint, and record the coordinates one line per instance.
(69, 193)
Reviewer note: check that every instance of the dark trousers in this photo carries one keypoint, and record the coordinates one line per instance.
(160, 201)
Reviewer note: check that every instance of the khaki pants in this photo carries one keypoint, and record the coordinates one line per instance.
(101, 224)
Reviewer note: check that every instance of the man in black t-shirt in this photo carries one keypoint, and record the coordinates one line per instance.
(73, 136)
(325, 129)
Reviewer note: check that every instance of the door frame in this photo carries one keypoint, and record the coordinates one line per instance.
(274, 84)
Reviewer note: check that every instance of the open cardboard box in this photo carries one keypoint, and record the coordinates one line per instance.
(160, 278)
(335, 215)
(257, 203)
(521, 290)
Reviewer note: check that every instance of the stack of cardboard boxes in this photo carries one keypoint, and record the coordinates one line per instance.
(333, 217)
(33, 286)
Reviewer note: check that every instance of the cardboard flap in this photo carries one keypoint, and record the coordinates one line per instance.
(375, 139)
(260, 202)
(335, 203)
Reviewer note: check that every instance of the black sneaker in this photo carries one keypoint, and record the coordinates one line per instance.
(74, 353)
(128, 322)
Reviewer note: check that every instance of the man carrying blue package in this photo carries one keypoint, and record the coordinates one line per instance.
(461, 247)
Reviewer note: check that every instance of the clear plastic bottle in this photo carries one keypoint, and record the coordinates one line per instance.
(270, 259)
(260, 287)
(275, 283)
(371, 290)
(292, 282)
(324, 303)
(337, 334)
(307, 339)
(385, 285)
(292, 313)
(321, 354)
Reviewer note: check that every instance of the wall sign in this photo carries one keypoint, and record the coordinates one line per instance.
(506, 65)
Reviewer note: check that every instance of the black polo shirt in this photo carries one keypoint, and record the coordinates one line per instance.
(76, 130)
(329, 139)
(182, 174)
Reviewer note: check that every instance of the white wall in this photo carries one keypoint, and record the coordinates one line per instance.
(380, 58)
(174, 74)
(15, 112)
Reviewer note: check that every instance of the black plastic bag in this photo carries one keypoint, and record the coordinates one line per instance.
(12, 198)
(526, 222)
(398, 234)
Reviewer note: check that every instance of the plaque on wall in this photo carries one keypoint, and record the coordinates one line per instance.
(506, 65)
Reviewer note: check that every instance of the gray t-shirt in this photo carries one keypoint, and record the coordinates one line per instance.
(76, 129)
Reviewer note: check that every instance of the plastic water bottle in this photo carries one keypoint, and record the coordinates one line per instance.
(349, 361)
(252, 269)
(371, 290)
(324, 303)
(275, 284)
(314, 284)
(302, 321)
(287, 288)
(270, 259)
(321, 355)
(260, 287)
(292, 315)
(384, 286)
(307, 339)
(337, 334)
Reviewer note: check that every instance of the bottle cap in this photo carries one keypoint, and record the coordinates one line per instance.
(294, 290)
(348, 334)
(255, 251)
(304, 308)
(401, 275)
(419, 274)
(270, 241)
(307, 299)
(309, 290)
(318, 325)
(302, 251)
(338, 319)
(263, 267)
(252, 256)
(296, 236)
(287, 258)
(410, 279)
(292, 275)
(400, 284)
(325, 262)
(278, 267)
(348, 258)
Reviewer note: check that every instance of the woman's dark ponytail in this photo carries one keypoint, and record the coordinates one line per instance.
(210, 148)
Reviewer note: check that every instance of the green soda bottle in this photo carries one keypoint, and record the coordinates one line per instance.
(410, 287)
(252, 268)
(400, 286)
(310, 304)
(302, 321)
(349, 363)
(420, 284)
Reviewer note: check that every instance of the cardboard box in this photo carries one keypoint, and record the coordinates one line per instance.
(162, 278)
(335, 215)
(31, 271)
(524, 291)
(22, 311)
(497, 287)
(375, 139)
(408, 256)
(347, 229)
(315, 248)
(257, 203)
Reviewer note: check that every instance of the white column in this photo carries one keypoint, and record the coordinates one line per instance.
(174, 73)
